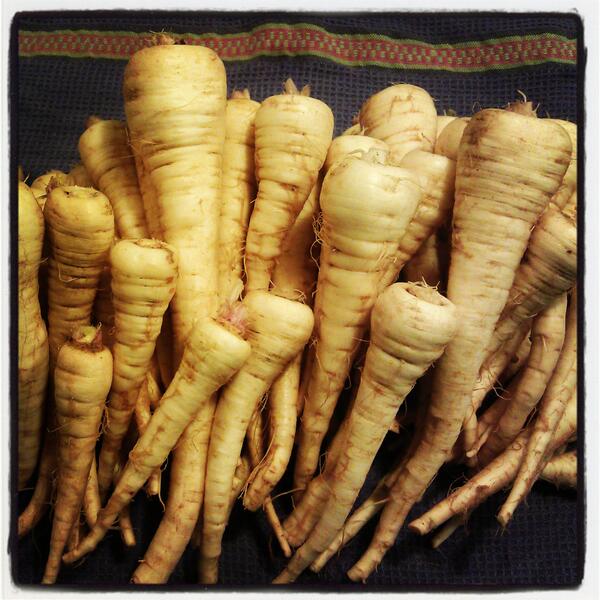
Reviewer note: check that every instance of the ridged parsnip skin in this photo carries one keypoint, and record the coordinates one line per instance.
(561, 470)
(400, 351)
(569, 183)
(448, 140)
(430, 262)
(91, 498)
(525, 391)
(175, 98)
(80, 227)
(103, 312)
(345, 145)
(570, 209)
(144, 276)
(548, 270)
(366, 208)
(295, 278)
(238, 191)
(80, 176)
(212, 355)
(489, 374)
(403, 116)
(148, 193)
(33, 337)
(39, 185)
(508, 168)
(44, 486)
(550, 411)
(292, 135)
(436, 176)
(105, 152)
(278, 329)
(81, 382)
(442, 122)
(492, 478)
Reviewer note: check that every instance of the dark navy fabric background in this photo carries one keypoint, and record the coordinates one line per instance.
(56, 95)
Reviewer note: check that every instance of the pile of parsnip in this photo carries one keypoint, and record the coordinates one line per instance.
(201, 287)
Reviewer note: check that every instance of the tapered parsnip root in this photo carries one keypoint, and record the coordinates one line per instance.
(33, 337)
(403, 116)
(255, 437)
(277, 330)
(81, 383)
(430, 262)
(508, 168)
(497, 474)
(561, 470)
(400, 352)
(548, 270)
(524, 393)
(292, 134)
(144, 276)
(448, 140)
(294, 278)
(366, 206)
(80, 176)
(148, 396)
(238, 191)
(105, 152)
(442, 122)
(80, 226)
(91, 499)
(488, 376)
(214, 352)
(568, 187)
(436, 176)
(44, 486)
(559, 390)
(175, 98)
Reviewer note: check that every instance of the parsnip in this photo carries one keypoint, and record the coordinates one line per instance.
(238, 191)
(367, 206)
(508, 168)
(403, 116)
(33, 337)
(292, 134)
(144, 276)
(105, 152)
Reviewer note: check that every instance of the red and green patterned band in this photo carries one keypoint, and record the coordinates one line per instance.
(302, 39)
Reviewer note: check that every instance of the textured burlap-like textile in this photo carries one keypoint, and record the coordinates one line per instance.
(55, 96)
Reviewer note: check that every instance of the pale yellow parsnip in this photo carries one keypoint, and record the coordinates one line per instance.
(33, 337)
(175, 98)
(366, 206)
(81, 383)
(80, 176)
(278, 329)
(213, 354)
(80, 228)
(292, 134)
(509, 166)
(403, 116)
(38, 186)
(448, 140)
(400, 351)
(105, 152)
(144, 276)
(238, 191)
